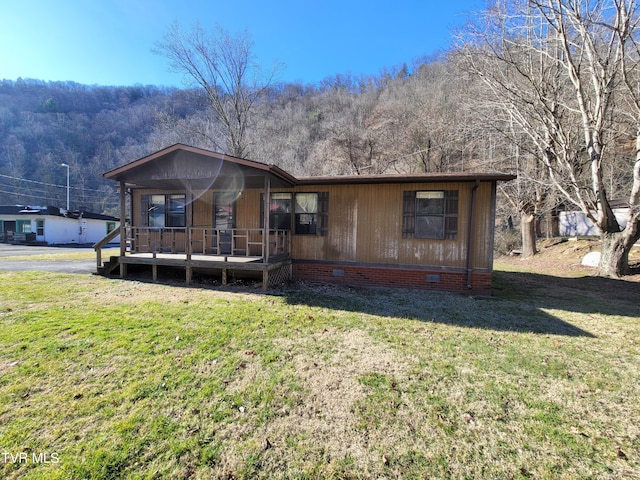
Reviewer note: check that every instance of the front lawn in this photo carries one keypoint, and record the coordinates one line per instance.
(103, 378)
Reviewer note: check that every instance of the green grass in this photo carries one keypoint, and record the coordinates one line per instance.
(122, 379)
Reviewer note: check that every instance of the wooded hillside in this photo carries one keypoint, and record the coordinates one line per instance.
(402, 120)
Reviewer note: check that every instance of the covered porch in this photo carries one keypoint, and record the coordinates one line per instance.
(216, 218)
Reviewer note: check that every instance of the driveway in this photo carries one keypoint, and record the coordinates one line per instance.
(62, 265)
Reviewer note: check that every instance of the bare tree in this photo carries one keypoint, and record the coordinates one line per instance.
(500, 51)
(556, 68)
(224, 66)
(619, 244)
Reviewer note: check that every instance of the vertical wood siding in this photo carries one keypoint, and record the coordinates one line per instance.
(365, 224)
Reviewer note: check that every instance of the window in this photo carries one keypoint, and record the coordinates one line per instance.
(311, 213)
(40, 228)
(176, 210)
(23, 226)
(279, 211)
(430, 214)
(159, 211)
(156, 211)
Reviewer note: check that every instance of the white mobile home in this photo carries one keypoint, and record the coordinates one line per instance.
(576, 224)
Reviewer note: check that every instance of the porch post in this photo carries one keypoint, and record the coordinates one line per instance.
(188, 219)
(123, 218)
(265, 220)
(188, 224)
(123, 226)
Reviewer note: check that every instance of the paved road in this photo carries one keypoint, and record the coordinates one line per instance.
(63, 266)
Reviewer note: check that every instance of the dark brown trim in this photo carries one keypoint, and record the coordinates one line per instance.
(413, 178)
(120, 172)
(471, 234)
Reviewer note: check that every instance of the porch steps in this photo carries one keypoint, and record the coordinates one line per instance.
(109, 266)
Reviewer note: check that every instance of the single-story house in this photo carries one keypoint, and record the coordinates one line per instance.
(200, 210)
(52, 225)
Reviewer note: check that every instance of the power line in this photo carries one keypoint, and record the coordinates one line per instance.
(41, 183)
(37, 193)
(32, 181)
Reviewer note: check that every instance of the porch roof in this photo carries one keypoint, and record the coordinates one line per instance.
(174, 166)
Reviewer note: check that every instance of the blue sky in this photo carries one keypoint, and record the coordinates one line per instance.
(109, 42)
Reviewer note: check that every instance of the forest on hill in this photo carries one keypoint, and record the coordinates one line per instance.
(400, 121)
(546, 90)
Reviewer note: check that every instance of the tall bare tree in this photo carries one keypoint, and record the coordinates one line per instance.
(223, 65)
(557, 68)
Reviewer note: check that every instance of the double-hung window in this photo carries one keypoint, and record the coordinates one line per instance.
(176, 210)
(23, 226)
(430, 214)
(279, 211)
(311, 213)
(159, 211)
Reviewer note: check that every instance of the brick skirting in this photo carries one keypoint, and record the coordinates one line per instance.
(418, 278)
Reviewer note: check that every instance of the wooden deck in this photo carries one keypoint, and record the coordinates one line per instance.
(274, 272)
(217, 252)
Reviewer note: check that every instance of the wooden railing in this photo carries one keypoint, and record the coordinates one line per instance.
(209, 241)
(101, 244)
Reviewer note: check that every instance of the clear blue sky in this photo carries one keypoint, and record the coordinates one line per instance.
(109, 42)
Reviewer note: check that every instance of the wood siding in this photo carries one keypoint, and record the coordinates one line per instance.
(365, 224)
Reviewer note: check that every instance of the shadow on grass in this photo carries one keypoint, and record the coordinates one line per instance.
(490, 313)
(520, 303)
(587, 295)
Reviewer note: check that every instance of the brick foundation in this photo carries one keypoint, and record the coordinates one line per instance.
(395, 277)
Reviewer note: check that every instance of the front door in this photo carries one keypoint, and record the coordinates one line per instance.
(224, 221)
(9, 230)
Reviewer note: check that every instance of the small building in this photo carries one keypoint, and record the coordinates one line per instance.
(52, 226)
(199, 210)
(573, 223)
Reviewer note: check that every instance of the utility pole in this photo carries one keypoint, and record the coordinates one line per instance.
(65, 165)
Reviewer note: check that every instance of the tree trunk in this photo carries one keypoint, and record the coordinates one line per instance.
(616, 246)
(528, 229)
(614, 260)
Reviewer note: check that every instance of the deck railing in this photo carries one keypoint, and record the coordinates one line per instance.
(209, 241)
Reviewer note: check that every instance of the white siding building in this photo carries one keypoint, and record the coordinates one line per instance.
(53, 226)
(576, 224)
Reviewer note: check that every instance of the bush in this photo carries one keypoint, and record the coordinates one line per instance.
(507, 240)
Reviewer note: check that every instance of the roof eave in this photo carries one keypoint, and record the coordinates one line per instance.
(414, 178)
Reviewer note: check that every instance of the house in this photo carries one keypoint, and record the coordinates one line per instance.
(52, 225)
(199, 210)
(573, 223)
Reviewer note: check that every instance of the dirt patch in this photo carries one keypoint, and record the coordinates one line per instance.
(133, 291)
(324, 419)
